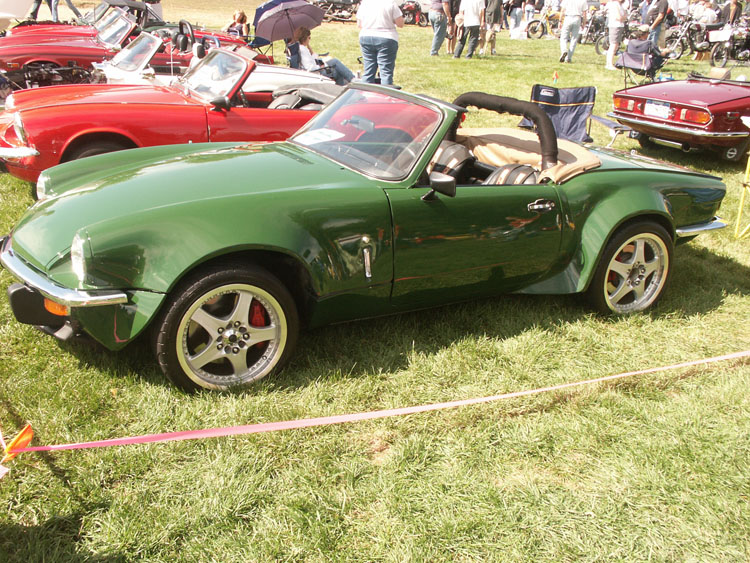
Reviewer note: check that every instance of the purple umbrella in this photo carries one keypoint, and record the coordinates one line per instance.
(278, 19)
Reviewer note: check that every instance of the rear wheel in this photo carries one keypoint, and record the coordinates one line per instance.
(423, 20)
(633, 270)
(735, 153)
(536, 29)
(226, 328)
(719, 55)
(645, 141)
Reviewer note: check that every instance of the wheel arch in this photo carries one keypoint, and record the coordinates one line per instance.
(92, 137)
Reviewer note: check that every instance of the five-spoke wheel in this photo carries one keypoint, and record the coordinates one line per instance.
(226, 329)
(633, 270)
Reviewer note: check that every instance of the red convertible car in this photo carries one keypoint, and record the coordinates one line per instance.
(214, 101)
(700, 112)
(114, 34)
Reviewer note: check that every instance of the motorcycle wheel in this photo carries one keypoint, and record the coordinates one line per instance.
(409, 18)
(423, 20)
(536, 29)
(719, 55)
(676, 46)
(602, 45)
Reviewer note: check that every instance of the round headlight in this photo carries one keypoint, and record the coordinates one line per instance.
(10, 103)
(20, 131)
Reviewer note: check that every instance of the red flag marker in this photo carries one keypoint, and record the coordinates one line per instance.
(18, 443)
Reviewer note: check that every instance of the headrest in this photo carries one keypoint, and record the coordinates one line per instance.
(180, 42)
(199, 51)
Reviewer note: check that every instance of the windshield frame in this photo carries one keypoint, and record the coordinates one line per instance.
(332, 108)
(127, 54)
(123, 31)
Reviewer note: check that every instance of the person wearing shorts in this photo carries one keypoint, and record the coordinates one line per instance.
(616, 25)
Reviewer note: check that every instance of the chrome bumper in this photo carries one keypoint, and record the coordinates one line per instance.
(692, 230)
(17, 153)
(696, 132)
(57, 293)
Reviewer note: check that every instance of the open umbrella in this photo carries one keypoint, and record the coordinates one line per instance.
(278, 19)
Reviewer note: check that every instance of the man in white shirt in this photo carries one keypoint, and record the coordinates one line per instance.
(573, 13)
(473, 17)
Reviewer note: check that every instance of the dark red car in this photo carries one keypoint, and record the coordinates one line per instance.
(697, 113)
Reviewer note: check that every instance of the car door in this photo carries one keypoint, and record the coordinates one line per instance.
(487, 240)
(254, 124)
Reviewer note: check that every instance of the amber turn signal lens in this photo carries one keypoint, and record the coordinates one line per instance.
(696, 116)
(56, 308)
(624, 103)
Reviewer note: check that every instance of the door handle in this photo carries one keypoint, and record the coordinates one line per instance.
(541, 206)
(367, 257)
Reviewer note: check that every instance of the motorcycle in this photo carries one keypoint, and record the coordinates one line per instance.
(602, 44)
(596, 26)
(413, 13)
(733, 43)
(546, 22)
(338, 10)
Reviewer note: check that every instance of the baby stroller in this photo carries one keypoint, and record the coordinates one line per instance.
(640, 62)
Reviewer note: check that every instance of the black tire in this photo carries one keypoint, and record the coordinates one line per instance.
(94, 148)
(735, 153)
(633, 270)
(409, 18)
(602, 45)
(225, 328)
(645, 141)
(536, 29)
(719, 55)
(676, 46)
(423, 20)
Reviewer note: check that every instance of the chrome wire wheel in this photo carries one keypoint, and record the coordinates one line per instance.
(230, 336)
(636, 274)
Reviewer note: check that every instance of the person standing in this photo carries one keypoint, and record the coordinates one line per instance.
(378, 38)
(657, 11)
(616, 17)
(440, 17)
(473, 16)
(573, 16)
(516, 15)
(493, 22)
(452, 27)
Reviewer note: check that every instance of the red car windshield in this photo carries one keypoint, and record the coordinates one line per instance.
(114, 33)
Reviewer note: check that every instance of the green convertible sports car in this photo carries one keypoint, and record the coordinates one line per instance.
(380, 204)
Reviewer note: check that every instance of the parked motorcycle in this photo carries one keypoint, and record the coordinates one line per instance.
(413, 13)
(546, 22)
(338, 10)
(602, 44)
(596, 26)
(733, 44)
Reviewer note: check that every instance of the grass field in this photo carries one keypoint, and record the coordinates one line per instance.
(652, 468)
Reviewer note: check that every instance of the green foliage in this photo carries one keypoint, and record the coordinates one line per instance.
(654, 467)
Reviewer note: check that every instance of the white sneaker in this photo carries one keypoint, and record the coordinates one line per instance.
(481, 52)
(608, 67)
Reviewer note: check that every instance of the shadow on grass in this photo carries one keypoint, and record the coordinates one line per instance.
(56, 539)
(700, 282)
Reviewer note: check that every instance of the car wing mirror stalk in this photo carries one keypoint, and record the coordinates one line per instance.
(220, 103)
(440, 184)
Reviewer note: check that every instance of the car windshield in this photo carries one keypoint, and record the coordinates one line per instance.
(95, 15)
(137, 54)
(215, 76)
(115, 31)
(372, 132)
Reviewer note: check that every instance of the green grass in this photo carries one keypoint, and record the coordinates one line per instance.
(651, 468)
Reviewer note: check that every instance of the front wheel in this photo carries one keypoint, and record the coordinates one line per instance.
(423, 20)
(226, 328)
(602, 45)
(536, 29)
(676, 47)
(719, 55)
(94, 148)
(633, 270)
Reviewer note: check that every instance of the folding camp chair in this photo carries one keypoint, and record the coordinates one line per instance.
(293, 58)
(638, 68)
(570, 110)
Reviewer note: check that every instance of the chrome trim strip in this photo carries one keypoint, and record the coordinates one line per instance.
(692, 230)
(696, 132)
(48, 288)
(16, 153)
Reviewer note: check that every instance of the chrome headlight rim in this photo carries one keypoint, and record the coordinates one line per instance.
(20, 129)
(80, 254)
(41, 187)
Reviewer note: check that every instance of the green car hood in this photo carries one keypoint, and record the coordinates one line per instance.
(126, 185)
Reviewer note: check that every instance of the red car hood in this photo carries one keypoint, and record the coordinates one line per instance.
(98, 94)
(68, 41)
(53, 29)
(694, 92)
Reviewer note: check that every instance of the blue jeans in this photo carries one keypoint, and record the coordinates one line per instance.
(516, 15)
(571, 27)
(654, 34)
(378, 53)
(439, 25)
(339, 72)
(472, 32)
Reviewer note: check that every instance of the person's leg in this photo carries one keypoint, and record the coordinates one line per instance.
(482, 38)
(73, 8)
(653, 35)
(564, 36)
(473, 40)
(369, 58)
(492, 40)
(53, 9)
(575, 29)
(387, 60)
(452, 38)
(439, 24)
(35, 9)
(460, 42)
(341, 74)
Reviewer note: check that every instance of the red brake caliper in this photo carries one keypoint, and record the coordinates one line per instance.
(258, 318)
